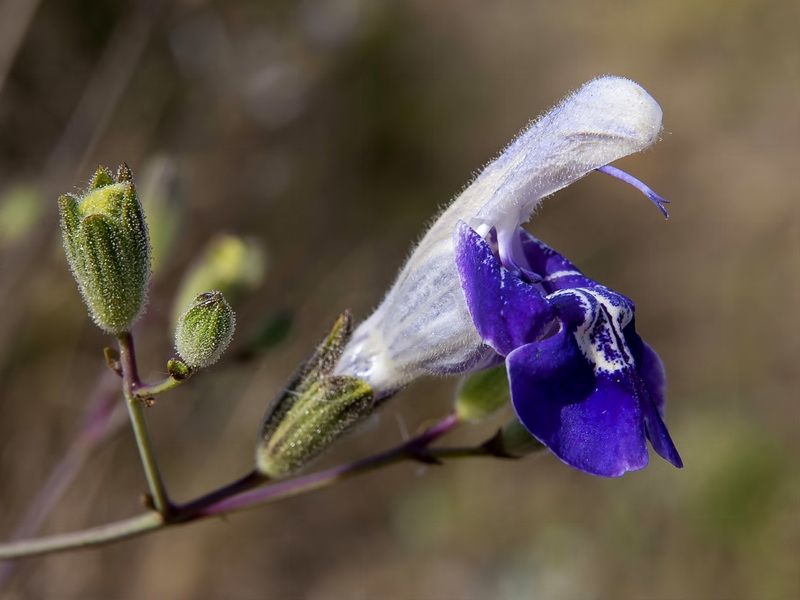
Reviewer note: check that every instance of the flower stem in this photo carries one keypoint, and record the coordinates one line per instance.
(146, 390)
(186, 512)
(130, 384)
(224, 500)
(414, 449)
(95, 536)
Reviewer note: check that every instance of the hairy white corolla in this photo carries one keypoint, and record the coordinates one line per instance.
(423, 325)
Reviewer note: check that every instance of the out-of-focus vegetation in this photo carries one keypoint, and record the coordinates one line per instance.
(331, 130)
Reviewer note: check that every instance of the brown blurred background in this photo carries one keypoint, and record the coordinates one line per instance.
(330, 131)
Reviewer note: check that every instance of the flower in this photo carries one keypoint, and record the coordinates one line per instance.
(582, 380)
(478, 291)
(423, 326)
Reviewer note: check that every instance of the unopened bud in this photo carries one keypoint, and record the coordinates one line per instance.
(314, 409)
(204, 330)
(482, 393)
(106, 243)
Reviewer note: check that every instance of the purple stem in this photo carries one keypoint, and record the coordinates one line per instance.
(151, 521)
(414, 448)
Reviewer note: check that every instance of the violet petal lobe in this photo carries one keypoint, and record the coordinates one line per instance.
(557, 272)
(580, 392)
(654, 379)
(506, 311)
(650, 367)
(657, 432)
(592, 423)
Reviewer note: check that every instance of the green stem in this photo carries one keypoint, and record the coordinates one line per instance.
(82, 539)
(131, 383)
(147, 390)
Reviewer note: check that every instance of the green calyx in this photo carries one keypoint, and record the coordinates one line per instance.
(512, 441)
(107, 247)
(204, 330)
(314, 410)
(481, 394)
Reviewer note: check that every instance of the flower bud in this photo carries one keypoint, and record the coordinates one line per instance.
(482, 393)
(314, 409)
(107, 247)
(204, 330)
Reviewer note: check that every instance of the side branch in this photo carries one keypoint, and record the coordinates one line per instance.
(83, 539)
(217, 503)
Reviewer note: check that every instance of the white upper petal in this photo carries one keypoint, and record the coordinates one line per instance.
(606, 119)
(423, 324)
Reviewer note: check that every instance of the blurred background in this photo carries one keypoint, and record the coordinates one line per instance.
(295, 150)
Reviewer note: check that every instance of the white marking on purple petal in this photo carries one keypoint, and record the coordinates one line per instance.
(559, 274)
(599, 335)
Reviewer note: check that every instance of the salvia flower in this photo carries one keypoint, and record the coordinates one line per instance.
(479, 291)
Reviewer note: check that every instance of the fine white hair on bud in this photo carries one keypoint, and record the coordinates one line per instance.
(204, 330)
(108, 248)
(423, 325)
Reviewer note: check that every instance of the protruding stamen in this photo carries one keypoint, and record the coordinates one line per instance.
(630, 179)
(512, 256)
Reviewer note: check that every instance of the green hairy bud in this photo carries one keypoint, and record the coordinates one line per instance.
(482, 393)
(314, 409)
(204, 330)
(107, 247)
